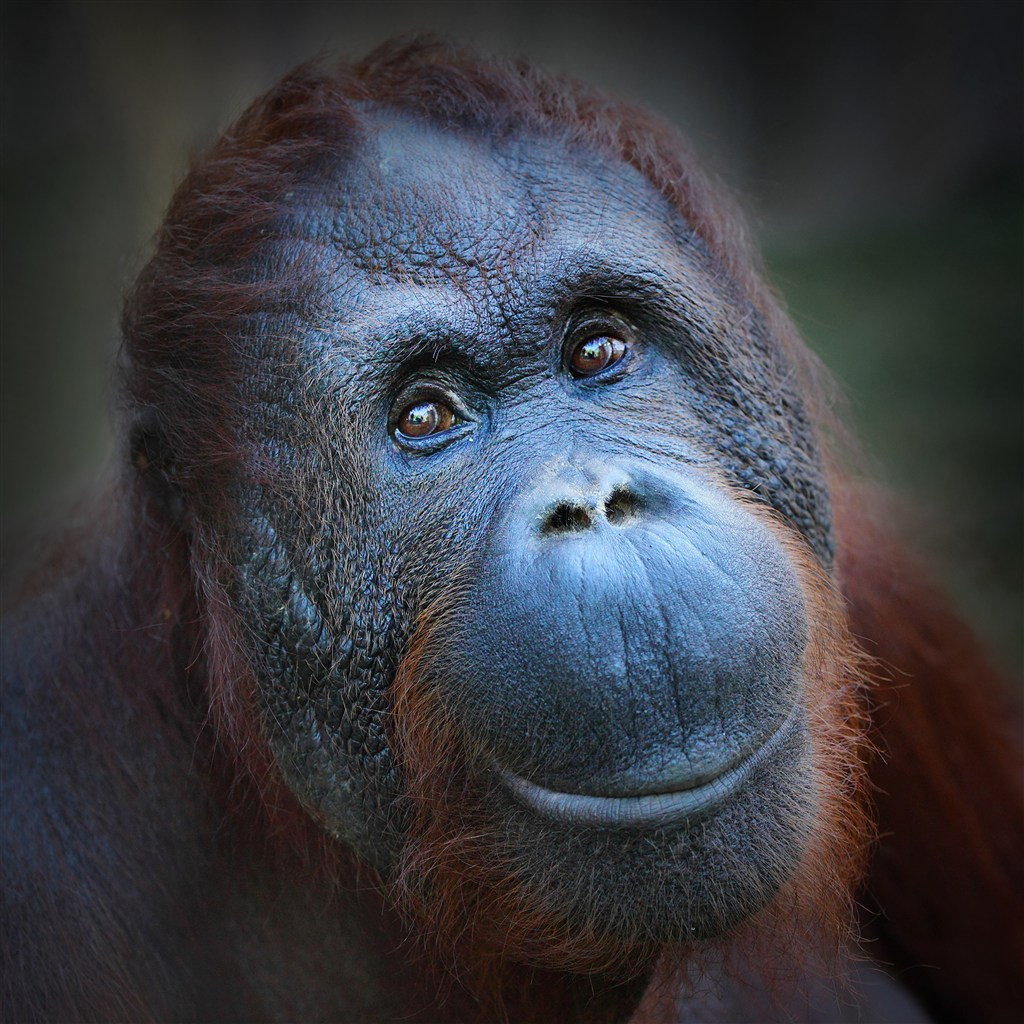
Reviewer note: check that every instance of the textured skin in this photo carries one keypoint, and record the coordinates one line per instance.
(306, 720)
(460, 260)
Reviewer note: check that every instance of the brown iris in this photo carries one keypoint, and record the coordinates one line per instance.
(424, 419)
(593, 355)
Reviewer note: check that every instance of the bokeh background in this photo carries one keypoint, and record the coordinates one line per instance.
(876, 146)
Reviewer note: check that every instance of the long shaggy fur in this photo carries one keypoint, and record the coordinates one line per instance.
(456, 882)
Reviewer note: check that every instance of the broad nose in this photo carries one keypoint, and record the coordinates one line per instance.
(587, 500)
(574, 514)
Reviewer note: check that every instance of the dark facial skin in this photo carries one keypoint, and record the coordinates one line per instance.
(519, 392)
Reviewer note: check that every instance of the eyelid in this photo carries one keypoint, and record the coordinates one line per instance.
(424, 384)
(595, 323)
(592, 322)
(419, 390)
(595, 318)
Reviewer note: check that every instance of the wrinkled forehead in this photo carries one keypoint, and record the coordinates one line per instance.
(424, 202)
(435, 231)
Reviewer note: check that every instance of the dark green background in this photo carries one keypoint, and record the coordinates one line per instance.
(877, 147)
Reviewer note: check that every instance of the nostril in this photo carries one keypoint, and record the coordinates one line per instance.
(566, 517)
(622, 505)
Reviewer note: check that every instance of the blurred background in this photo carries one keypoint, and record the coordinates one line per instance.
(876, 146)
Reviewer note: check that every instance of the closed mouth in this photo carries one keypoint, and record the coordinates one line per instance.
(648, 810)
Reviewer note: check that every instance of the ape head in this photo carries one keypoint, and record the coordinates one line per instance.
(506, 508)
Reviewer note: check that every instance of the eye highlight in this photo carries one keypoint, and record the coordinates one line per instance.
(594, 354)
(424, 419)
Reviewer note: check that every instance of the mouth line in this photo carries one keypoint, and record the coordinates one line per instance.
(650, 810)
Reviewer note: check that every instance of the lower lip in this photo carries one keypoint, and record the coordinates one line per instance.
(651, 810)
